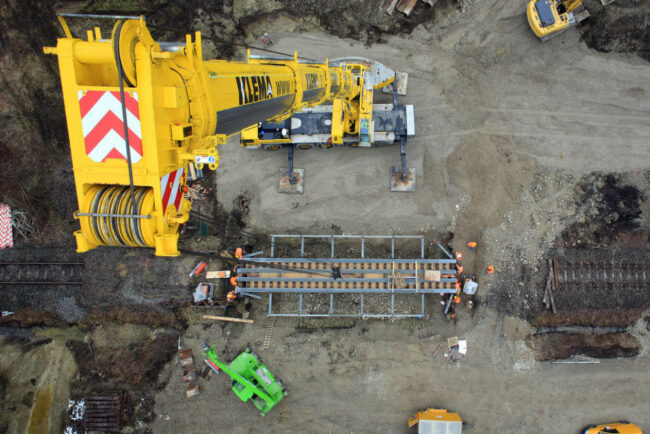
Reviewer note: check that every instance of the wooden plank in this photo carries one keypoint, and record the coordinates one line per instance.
(225, 318)
(555, 273)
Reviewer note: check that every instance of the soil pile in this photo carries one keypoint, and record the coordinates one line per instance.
(126, 362)
(621, 27)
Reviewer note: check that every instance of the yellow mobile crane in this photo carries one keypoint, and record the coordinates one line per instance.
(139, 111)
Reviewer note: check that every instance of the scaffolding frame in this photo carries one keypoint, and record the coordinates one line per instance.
(399, 276)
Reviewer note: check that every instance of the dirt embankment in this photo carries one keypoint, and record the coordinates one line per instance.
(57, 364)
(622, 27)
(602, 253)
(35, 170)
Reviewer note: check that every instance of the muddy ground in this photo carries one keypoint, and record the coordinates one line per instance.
(530, 149)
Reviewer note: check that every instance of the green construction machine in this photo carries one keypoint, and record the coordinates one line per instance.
(251, 379)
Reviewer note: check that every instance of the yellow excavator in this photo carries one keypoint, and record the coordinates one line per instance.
(139, 112)
(623, 427)
(549, 18)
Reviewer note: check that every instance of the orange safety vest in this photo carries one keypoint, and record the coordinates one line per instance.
(233, 280)
(239, 253)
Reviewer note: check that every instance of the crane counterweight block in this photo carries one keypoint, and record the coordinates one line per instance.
(139, 111)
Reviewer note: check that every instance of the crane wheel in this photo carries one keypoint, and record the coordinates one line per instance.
(305, 146)
(272, 147)
(118, 231)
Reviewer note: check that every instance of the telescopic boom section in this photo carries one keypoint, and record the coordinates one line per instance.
(138, 111)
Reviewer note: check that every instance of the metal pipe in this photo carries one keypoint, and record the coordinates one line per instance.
(292, 179)
(445, 251)
(108, 17)
(246, 294)
(402, 152)
(362, 300)
(93, 214)
(251, 255)
(120, 74)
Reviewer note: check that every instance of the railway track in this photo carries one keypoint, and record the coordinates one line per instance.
(621, 273)
(41, 273)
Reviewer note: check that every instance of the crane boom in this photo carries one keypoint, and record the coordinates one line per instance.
(138, 111)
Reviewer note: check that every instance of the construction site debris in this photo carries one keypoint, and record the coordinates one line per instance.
(457, 348)
(102, 413)
(203, 292)
(198, 269)
(388, 6)
(222, 274)
(193, 173)
(186, 360)
(76, 410)
(225, 318)
(548, 299)
(406, 6)
(470, 287)
(6, 227)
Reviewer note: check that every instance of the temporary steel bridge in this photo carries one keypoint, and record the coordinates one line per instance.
(333, 276)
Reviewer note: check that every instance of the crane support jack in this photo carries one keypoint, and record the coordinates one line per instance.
(309, 128)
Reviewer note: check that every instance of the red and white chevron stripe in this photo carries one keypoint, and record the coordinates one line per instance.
(6, 228)
(170, 186)
(103, 126)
